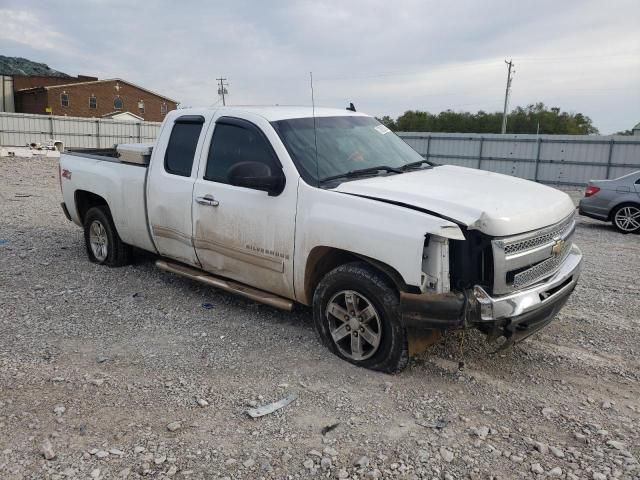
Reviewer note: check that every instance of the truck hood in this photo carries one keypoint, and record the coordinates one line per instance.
(495, 204)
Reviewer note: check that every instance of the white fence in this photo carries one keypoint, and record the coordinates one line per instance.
(551, 159)
(19, 129)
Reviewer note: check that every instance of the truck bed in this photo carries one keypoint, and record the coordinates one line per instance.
(104, 153)
(130, 153)
(121, 184)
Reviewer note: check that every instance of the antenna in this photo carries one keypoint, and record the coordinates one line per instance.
(315, 134)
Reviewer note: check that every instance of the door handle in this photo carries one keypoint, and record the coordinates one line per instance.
(208, 200)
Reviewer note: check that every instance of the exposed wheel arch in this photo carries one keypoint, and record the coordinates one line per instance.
(321, 260)
(86, 200)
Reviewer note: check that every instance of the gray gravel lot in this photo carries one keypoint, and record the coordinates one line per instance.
(96, 363)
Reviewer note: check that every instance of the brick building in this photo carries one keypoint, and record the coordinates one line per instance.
(88, 97)
(22, 82)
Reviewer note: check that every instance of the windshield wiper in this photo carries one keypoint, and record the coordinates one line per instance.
(411, 165)
(362, 171)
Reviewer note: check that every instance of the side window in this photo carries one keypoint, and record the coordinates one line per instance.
(233, 144)
(178, 158)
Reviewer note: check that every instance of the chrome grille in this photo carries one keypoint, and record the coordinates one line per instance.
(542, 269)
(541, 237)
(524, 259)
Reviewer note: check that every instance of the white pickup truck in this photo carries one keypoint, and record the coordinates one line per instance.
(333, 211)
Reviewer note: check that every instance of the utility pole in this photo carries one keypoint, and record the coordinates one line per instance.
(222, 89)
(506, 95)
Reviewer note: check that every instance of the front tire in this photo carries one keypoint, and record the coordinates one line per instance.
(356, 312)
(626, 218)
(101, 238)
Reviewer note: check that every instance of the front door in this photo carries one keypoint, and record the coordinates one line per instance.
(242, 233)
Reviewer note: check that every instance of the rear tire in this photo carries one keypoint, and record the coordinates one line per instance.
(626, 218)
(101, 238)
(356, 312)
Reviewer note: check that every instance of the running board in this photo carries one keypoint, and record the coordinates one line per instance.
(227, 285)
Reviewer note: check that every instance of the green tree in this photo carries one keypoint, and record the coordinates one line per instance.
(388, 122)
(530, 119)
(416, 121)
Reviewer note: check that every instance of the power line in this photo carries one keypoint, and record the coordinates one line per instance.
(489, 101)
(436, 68)
(451, 67)
(579, 58)
(215, 103)
(222, 90)
(506, 95)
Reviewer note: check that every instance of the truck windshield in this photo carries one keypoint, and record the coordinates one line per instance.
(352, 146)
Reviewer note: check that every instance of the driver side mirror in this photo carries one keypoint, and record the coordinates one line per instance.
(258, 176)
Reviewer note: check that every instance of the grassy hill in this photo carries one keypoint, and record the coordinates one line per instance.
(23, 66)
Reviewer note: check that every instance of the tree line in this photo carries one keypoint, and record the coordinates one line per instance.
(534, 118)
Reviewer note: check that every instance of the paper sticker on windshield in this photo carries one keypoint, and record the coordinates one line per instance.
(382, 129)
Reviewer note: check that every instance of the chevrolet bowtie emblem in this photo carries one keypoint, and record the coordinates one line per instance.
(557, 247)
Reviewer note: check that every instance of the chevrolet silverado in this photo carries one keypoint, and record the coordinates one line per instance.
(329, 209)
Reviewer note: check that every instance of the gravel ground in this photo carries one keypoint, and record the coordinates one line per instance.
(122, 373)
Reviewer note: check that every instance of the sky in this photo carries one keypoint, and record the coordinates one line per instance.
(384, 56)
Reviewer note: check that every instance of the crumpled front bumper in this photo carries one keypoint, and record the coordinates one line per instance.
(513, 305)
(515, 316)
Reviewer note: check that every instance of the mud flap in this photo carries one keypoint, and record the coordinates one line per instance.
(420, 340)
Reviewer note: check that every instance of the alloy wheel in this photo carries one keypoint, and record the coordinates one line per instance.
(98, 240)
(628, 218)
(354, 325)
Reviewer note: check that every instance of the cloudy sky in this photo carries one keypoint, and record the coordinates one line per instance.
(385, 56)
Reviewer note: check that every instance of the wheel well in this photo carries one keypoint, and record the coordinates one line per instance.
(622, 204)
(322, 260)
(86, 200)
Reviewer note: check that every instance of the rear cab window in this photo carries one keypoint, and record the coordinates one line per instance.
(179, 156)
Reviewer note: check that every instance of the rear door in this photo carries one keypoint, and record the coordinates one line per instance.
(242, 233)
(170, 187)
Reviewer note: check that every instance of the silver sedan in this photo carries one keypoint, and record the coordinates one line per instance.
(616, 201)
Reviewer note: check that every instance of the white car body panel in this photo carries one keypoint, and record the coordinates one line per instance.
(272, 114)
(170, 197)
(390, 234)
(249, 235)
(121, 185)
(495, 204)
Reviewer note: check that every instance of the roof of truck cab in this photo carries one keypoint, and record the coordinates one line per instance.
(274, 113)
